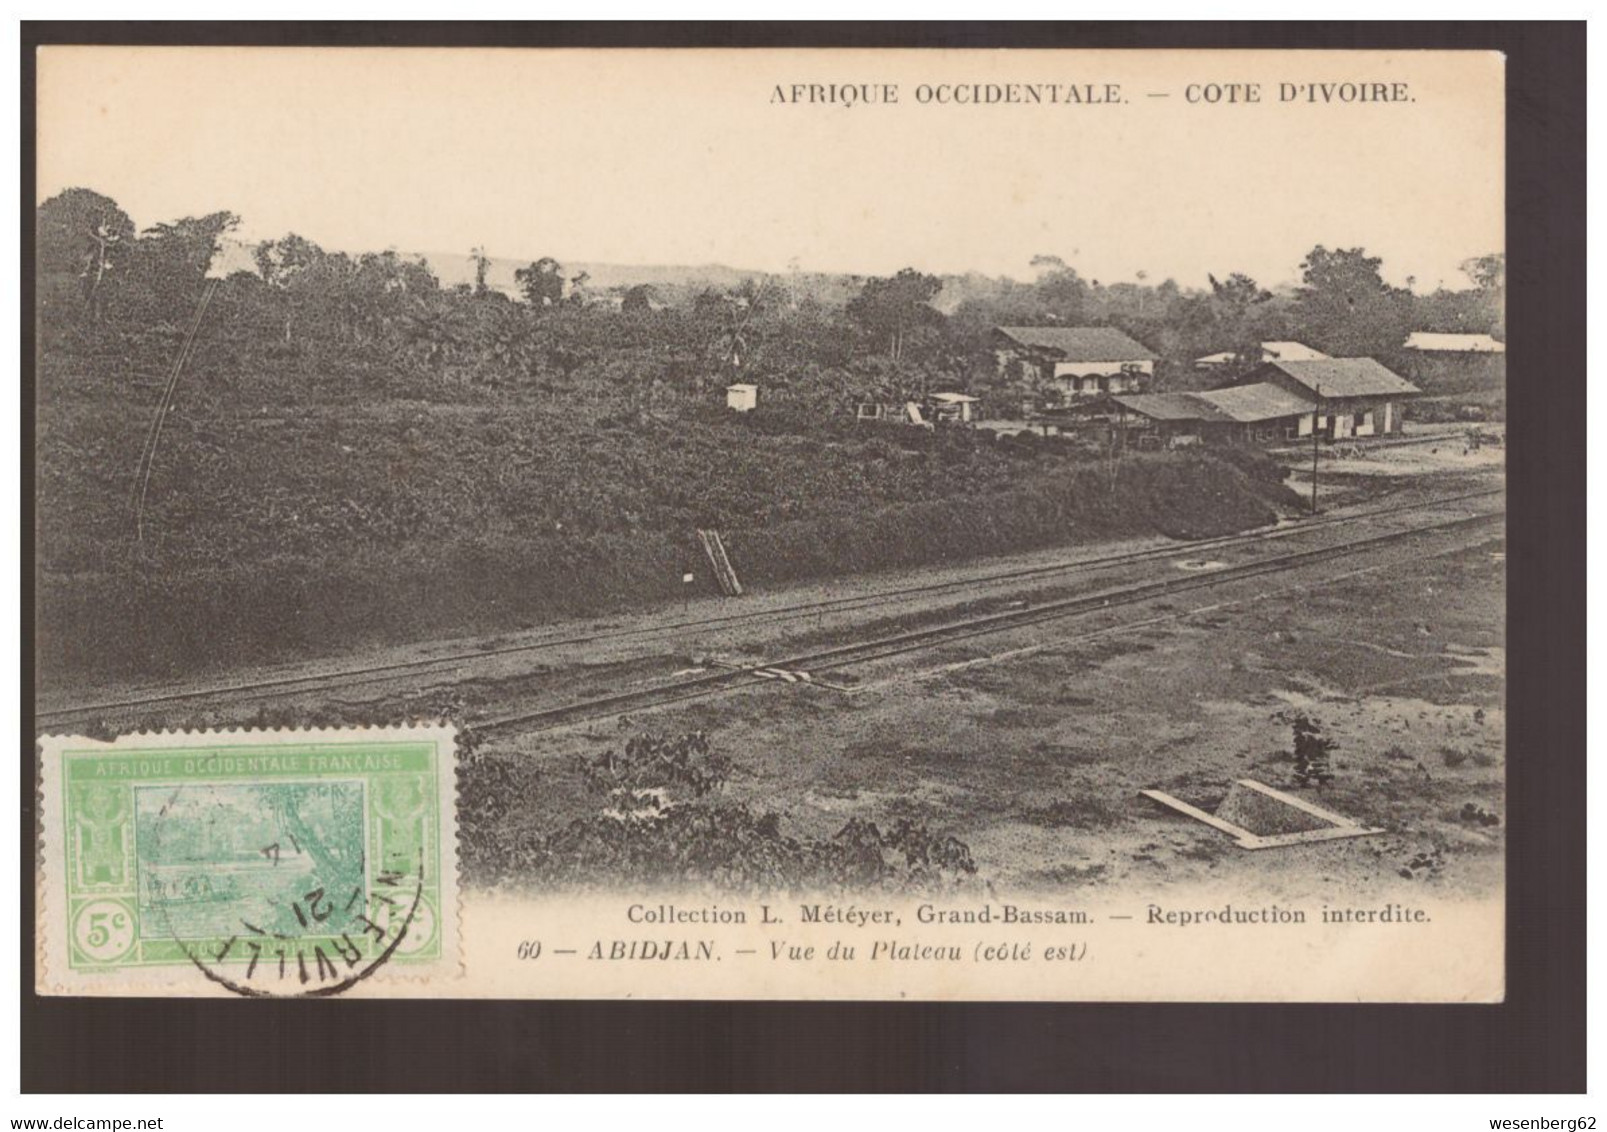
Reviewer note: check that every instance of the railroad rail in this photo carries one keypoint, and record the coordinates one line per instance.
(731, 679)
(290, 685)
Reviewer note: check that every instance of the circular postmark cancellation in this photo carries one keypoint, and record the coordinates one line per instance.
(274, 890)
(290, 862)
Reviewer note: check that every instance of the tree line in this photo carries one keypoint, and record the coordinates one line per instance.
(305, 317)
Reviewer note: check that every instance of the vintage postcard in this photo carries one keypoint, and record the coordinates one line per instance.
(775, 524)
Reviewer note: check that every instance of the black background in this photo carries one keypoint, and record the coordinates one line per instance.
(1534, 1042)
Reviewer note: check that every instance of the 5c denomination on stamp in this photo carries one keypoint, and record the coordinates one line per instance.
(263, 863)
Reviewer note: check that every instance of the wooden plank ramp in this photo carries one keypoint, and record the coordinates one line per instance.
(714, 548)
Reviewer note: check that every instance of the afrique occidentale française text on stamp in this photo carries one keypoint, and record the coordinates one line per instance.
(259, 863)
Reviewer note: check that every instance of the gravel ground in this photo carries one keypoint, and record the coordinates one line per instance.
(1031, 747)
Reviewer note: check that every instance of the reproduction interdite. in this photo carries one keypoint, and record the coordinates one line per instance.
(789, 524)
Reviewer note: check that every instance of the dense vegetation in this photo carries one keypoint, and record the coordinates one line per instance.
(354, 452)
(307, 324)
(652, 814)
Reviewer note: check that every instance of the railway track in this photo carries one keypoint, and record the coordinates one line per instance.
(357, 676)
(825, 660)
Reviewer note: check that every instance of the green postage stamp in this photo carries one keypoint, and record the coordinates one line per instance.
(258, 863)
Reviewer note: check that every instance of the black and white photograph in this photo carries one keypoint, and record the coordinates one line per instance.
(874, 525)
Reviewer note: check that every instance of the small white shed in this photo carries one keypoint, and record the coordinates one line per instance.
(742, 398)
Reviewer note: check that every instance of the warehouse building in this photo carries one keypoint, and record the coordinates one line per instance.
(1280, 402)
(1262, 413)
(1353, 397)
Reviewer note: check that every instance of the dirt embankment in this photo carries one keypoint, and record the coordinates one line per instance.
(274, 538)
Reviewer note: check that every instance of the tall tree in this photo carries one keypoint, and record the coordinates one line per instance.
(172, 261)
(86, 235)
(578, 295)
(1489, 275)
(385, 289)
(1062, 292)
(888, 310)
(482, 268)
(1488, 272)
(639, 299)
(541, 282)
(1238, 292)
(1234, 303)
(289, 266)
(1345, 307)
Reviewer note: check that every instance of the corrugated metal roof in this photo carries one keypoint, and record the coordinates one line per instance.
(1260, 402)
(1344, 377)
(1270, 351)
(1455, 343)
(1240, 404)
(1171, 407)
(1081, 343)
(1291, 352)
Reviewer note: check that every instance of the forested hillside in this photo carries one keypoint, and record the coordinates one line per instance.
(353, 451)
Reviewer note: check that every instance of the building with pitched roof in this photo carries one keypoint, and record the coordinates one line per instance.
(1270, 352)
(1075, 361)
(1279, 402)
(1466, 374)
(1352, 397)
(1262, 413)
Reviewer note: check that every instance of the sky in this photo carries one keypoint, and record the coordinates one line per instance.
(695, 157)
